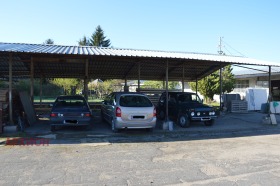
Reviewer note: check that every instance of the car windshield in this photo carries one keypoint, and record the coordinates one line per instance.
(135, 101)
(70, 102)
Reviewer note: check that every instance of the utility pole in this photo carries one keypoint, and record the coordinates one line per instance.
(220, 47)
(221, 77)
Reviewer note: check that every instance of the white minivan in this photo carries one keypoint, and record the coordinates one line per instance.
(128, 110)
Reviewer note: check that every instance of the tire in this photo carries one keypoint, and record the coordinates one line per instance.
(52, 128)
(209, 123)
(114, 126)
(183, 120)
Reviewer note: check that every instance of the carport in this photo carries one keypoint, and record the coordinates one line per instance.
(19, 60)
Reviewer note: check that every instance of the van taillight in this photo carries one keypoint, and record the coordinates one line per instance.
(155, 112)
(53, 114)
(118, 112)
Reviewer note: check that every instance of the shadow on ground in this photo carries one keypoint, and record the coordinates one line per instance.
(226, 126)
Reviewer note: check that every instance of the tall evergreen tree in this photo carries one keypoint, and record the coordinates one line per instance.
(98, 38)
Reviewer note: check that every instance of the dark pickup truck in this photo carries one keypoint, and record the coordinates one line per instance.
(185, 107)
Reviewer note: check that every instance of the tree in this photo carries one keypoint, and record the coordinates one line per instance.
(228, 79)
(66, 83)
(210, 85)
(98, 38)
(159, 84)
(49, 42)
(84, 41)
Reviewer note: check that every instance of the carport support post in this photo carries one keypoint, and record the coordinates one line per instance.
(41, 91)
(138, 77)
(166, 90)
(32, 80)
(221, 87)
(269, 84)
(183, 78)
(86, 80)
(196, 85)
(10, 89)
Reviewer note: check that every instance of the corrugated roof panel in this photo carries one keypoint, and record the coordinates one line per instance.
(92, 50)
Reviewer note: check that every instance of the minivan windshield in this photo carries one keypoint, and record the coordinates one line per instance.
(135, 101)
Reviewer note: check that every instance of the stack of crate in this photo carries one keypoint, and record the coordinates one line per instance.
(16, 104)
(4, 105)
(239, 106)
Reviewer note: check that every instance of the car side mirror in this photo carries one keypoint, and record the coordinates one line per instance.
(201, 100)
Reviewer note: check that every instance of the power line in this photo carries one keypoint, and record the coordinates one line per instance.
(234, 49)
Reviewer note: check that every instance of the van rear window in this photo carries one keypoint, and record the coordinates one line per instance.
(135, 101)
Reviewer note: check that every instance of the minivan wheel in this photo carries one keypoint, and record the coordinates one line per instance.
(114, 126)
(183, 120)
(209, 123)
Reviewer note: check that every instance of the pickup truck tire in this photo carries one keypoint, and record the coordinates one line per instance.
(209, 123)
(183, 120)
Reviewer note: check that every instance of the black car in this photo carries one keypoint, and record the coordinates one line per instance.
(70, 111)
(185, 107)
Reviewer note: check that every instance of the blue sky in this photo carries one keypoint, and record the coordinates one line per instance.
(248, 27)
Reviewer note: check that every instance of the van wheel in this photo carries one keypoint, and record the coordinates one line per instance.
(183, 120)
(209, 123)
(114, 126)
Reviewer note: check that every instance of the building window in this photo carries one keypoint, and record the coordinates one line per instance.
(241, 83)
(262, 84)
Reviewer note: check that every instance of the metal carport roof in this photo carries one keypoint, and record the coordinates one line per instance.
(58, 61)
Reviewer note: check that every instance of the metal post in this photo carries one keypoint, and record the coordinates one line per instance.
(32, 80)
(125, 89)
(196, 87)
(138, 77)
(86, 81)
(183, 79)
(166, 90)
(41, 91)
(10, 89)
(269, 84)
(221, 87)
